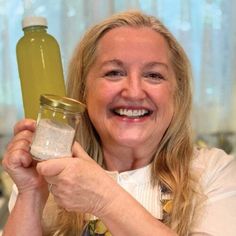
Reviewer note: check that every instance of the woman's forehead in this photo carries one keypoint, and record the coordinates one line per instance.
(130, 42)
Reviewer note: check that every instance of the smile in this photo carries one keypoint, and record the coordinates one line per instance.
(132, 113)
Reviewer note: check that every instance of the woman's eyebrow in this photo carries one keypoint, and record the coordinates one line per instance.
(116, 62)
(156, 63)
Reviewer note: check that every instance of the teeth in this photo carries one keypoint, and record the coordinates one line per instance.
(131, 113)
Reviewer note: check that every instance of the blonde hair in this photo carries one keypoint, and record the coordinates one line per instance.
(171, 164)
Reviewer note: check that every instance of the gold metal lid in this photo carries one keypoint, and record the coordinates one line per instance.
(65, 103)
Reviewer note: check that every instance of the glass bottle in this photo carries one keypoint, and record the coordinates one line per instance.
(56, 127)
(39, 64)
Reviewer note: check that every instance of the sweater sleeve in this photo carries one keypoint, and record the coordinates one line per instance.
(217, 215)
(13, 197)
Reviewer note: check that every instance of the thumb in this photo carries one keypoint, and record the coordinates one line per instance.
(78, 151)
(52, 167)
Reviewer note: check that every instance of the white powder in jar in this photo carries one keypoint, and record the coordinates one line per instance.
(52, 140)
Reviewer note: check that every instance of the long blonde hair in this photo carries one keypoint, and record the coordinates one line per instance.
(171, 164)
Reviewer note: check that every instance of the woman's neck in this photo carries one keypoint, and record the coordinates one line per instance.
(123, 159)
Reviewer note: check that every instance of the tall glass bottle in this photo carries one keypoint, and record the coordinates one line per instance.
(39, 64)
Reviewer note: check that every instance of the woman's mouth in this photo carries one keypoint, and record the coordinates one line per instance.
(132, 113)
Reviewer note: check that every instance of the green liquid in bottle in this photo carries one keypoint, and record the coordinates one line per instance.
(40, 68)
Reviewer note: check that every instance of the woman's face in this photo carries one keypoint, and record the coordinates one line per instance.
(130, 88)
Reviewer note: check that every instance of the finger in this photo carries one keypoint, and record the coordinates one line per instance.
(23, 144)
(52, 167)
(26, 124)
(25, 134)
(78, 151)
(15, 159)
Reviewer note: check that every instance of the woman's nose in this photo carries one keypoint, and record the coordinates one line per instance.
(133, 88)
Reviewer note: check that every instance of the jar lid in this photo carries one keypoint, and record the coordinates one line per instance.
(65, 103)
(34, 21)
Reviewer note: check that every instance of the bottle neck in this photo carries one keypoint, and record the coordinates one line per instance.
(35, 28)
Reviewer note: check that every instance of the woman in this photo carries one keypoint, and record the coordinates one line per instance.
(135, 80)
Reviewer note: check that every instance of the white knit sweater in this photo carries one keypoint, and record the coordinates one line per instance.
(217, 177)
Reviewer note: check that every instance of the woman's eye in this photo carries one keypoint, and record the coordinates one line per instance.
(114, 73)
(154, 76)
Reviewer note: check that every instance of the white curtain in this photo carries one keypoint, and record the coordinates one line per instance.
(205, 28)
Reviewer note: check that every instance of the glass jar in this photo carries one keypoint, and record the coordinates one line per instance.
(56, 127)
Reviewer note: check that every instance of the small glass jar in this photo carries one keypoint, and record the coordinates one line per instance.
(56, 127)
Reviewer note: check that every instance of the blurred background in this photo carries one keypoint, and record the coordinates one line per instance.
(205, 28)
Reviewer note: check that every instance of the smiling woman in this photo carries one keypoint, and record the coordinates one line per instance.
(131, 73)
(134, 170)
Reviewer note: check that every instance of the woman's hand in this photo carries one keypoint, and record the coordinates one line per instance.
(18, 162)
(79, 183)
(26, 215)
